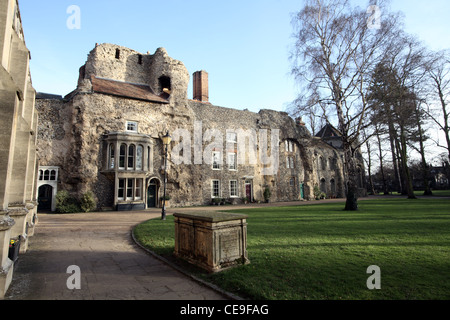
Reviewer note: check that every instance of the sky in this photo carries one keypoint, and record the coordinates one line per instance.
(244, 45)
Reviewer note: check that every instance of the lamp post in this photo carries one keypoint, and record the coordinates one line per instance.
(166, 141)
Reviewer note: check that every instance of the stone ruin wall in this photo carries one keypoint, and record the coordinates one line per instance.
(134, 67)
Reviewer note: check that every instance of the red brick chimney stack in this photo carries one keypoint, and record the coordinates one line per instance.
(201, 86)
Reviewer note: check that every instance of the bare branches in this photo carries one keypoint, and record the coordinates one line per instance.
(334, 53)
(439, 75)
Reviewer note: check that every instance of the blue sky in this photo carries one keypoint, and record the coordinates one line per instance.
(243, 45)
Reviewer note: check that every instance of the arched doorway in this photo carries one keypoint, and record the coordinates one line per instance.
(302, 190)
(152, 193)
(45, 195)
(249, 190)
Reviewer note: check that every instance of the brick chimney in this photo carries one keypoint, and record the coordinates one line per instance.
(200, 79)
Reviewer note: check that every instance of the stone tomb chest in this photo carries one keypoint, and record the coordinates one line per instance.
(213, 241)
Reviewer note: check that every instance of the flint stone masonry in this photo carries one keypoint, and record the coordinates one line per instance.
(214, 241)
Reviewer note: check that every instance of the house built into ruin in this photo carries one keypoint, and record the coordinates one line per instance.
(105, 137)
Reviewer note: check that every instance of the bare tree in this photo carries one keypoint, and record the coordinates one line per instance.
(438, 109)
(309, 109)
(421, 138)
(335, 53)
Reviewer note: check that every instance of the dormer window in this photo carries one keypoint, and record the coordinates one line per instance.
(132, 126)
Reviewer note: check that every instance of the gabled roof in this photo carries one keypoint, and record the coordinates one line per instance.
(328, 131)
(125, 89)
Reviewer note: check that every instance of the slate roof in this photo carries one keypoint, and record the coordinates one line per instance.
(328, 131)
(126, 90)
(43, 95)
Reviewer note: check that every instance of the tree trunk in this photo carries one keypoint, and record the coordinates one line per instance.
(397, 179)
(352, 176)
(383, 177)
(401, 165)
(408, 181)
(369, 167)
(350, 167)
(426, 183)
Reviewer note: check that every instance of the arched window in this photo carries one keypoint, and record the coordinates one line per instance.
(46, 175)
(323, 163)
(333, 187)
(323, 187)
(139, 155)
(53, 175)
(111, 156)
(148, 158)
(123, 151)
(41, 175)
(131, 150)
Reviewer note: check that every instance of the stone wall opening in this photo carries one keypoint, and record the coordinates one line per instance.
(165, 84)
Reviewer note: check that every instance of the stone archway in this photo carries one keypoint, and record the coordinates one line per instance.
(45, 197)
(152, 193)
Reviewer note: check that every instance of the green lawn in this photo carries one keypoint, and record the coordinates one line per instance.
(322, 252)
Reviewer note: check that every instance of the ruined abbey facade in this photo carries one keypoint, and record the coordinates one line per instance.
(105, 137)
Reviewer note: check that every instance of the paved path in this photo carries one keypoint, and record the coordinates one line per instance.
(112, 265)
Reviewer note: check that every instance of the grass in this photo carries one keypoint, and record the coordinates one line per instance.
(322, 252)
(436, 193)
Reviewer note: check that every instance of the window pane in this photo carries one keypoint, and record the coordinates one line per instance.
(111, 156)
(46, 175)
(130, 189)
(216, 160)
(232, 137)
(139, 158)
(120, 194)
(215, 188)
(233, 188)
(123, 150)
(148, 158)
(131, 157)
(138, 193)
(132, 126)
(232, 161)
(53, 175)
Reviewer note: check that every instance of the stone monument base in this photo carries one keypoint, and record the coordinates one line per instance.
(214, 241)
